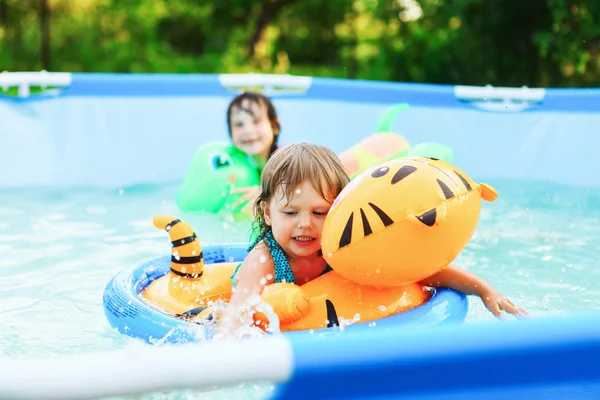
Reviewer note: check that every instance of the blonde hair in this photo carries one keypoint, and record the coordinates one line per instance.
(292, 165)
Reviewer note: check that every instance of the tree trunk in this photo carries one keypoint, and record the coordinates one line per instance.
(3, 14)
(268, 11)
(45, 34)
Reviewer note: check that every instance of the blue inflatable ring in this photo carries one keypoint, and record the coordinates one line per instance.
(129, 314)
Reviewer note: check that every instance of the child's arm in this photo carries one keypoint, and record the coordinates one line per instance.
(254, 274)
(470, 284)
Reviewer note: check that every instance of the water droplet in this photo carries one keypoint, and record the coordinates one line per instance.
(263, 281)
(263, 259)
(377, 271)
(269, 276)
(382, 308)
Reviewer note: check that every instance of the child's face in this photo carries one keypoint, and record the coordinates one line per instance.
(251, 133)
(297, 225)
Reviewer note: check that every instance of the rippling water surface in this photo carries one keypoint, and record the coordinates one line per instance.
(537, 244)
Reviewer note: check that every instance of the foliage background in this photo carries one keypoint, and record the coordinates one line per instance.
(538, 43)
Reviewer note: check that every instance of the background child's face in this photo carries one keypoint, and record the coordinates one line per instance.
(297, 225)
(252, 132)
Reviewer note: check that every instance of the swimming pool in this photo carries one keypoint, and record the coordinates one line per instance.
(85, 172)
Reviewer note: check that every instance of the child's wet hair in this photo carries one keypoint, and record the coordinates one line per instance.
(292, 165)
(262, 101)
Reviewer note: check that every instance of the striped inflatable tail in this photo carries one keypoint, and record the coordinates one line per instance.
(186, 257)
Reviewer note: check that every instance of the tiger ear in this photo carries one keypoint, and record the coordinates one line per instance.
(488, 193)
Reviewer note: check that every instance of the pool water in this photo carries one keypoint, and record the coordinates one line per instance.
(537, 244)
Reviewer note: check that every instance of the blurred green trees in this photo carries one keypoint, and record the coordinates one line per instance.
(548, 43)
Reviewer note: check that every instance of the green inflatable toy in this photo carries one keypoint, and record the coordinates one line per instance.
(218, 167)
(385, 145)
(215, 169)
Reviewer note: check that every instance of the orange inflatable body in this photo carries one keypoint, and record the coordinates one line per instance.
(330, 299)
(392, 226)
(320, 303)
(190, 283)
(402, 221)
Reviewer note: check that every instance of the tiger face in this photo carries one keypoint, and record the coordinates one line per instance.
(402, 221)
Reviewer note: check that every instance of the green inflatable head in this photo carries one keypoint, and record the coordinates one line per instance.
(215, 169)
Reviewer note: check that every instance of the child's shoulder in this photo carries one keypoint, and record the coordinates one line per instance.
(260, 253)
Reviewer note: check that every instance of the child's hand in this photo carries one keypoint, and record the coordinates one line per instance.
(496, 303)
(249, 194)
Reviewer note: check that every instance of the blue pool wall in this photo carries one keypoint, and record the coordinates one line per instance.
(118, 130)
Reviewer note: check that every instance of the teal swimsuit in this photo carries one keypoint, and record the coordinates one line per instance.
(283, 271)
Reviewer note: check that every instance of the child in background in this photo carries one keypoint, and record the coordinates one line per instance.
(254, 129)
(298, 185)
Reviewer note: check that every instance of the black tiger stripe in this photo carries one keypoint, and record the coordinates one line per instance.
(186, 275)
(346, 238)
(382, 215)
(366, 227)
(447, 192)
(171, 224)
(464, 181)
(402, 173)
(332, 318)
(187, 260)
(185, 240)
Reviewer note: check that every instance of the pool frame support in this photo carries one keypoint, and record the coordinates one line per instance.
(547, 358)
(493, 98)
